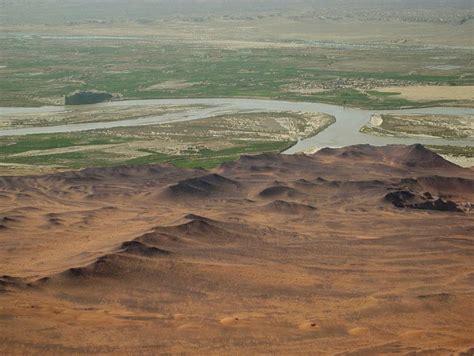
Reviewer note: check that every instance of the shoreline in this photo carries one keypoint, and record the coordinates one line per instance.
(453, 104)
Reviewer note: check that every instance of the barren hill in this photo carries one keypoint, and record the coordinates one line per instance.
(358, 250)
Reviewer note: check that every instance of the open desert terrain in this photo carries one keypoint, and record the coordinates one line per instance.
(355, 251)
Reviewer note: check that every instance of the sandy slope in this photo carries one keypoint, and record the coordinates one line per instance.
(342, 252)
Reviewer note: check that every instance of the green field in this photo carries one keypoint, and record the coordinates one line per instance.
(203, 143)
(203, 158)
(37, 71)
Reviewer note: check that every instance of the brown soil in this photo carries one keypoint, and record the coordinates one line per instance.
(268, 254)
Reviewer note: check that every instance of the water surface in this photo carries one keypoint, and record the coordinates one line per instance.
(343, 133)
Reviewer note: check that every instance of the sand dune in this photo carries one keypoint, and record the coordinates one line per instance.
(359, 250)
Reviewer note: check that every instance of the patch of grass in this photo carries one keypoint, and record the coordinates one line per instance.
(18, 144)
(381, 93)
(206, 158)
(73, 160)
(201, 143)
(153, 157)
(356, 98)
(202, 158)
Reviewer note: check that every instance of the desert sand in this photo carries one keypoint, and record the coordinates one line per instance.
(355, 251)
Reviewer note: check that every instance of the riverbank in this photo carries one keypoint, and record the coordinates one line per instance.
(202, 142)
(82, 139)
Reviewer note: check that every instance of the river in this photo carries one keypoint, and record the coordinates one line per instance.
(344, 132)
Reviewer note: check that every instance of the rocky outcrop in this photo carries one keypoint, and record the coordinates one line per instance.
(87, 97)
(426, 201)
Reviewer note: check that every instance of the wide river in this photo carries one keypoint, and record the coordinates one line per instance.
(343, 133)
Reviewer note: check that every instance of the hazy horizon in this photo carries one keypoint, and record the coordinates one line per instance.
(57, 11)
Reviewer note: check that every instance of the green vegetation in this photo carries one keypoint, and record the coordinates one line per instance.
(204, 158)
(201, 143)
(356, 98)
(207, 158)
(70, 160)
(295, 55)
(38, 71)
(381, 93)
(18, 144)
